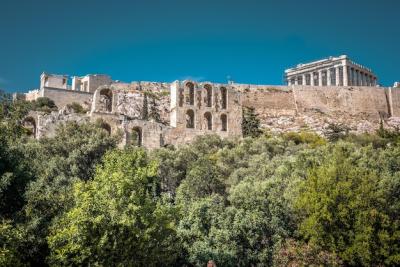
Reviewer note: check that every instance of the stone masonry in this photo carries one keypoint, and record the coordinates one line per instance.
(154, 114)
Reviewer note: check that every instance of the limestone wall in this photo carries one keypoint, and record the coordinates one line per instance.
(32, 95)
(62, 97)
(295, 108)
(394, 100)
(366, 102)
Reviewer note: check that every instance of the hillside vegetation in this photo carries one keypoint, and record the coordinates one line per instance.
(294, 199)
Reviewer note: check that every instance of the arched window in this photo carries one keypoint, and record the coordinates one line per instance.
(224, 123)
(106, 99)
(208, 120)
(189, 119)
(106, 127)
(224, 98)
(181, 97)
(190, 93)
(136, 136)
(30, 126)
(208, 98)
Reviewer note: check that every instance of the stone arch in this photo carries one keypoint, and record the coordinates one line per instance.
(106, 99)
(190, 93)
(224, 97)
(29, 124)
(208, 120)
(136, 136)
(189, 118)
(181, 97)
(208, 97)
(224, 122)
(105, 126)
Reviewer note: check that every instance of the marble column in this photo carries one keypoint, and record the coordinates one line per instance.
(328, 77)
(320, 77)
(337, 76)
(346, 77)
(312, 78)
(351, 72)
(304, 79)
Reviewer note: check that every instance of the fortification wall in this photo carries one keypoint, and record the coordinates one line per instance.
(394, 99)
(32, 95)
(365, 102)
(295, 108)
(62, 97)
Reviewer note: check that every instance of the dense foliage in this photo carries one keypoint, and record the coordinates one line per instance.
(294, 199)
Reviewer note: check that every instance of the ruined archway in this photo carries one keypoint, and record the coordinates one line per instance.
(29, 124)
(189, 119)
(224, 97)
(106, 99)
(208, 97)
(224, 122)
(208, 120)
(190, 93)
(136, 136)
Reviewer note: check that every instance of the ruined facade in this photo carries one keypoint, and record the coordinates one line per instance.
(154, 114)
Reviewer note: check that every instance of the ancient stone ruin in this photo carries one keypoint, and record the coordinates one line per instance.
(154, 114)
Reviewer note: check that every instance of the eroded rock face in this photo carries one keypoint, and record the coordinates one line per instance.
(48, 123)
(130, 103)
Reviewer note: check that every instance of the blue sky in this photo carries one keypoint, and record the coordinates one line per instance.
(164, 40)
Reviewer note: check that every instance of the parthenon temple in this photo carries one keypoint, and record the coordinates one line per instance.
(332, 71)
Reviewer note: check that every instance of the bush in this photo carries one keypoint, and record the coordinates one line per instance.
(77, 108)
(312, 139)
(44, 104)
(336, 131)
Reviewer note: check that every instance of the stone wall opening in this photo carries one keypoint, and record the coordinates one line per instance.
(224, 123)
(136, 136)
(208, 98)
(106, 100)
(224, 98)
(190, 119)
(181, 97)
(29, 124)
(208, 120)
(190, 93)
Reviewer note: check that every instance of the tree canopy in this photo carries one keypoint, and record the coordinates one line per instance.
(292, 199)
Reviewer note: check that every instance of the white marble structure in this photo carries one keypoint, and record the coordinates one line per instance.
(332, 71)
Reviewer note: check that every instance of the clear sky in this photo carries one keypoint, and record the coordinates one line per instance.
(164, 40)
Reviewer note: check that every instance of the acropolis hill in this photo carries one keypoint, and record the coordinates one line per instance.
(154, 114)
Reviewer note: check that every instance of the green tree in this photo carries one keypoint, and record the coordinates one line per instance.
(250, 122)
(336, 131)
(14, 170)
(117, 220)
(10, 240)
(345, 209)
(57, 163)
